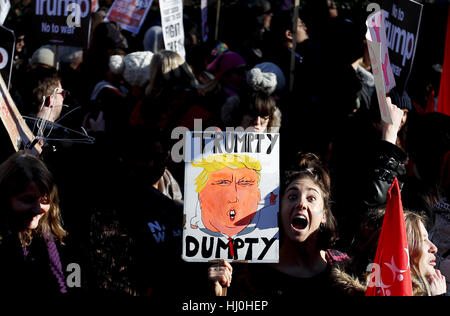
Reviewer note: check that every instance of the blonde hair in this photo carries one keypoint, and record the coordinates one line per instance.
(168, 66)
(415, 246)
(214, 163)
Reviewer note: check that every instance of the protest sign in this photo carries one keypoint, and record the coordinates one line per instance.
(377, 33)
(7, 46)
(94, 6)
(231, 197)
(205, 29)
(402, 19)
(18, 131)
(377, 66)
(172, 25)
(130, 14)
(379, 60)
(62, 22)
(5, 5)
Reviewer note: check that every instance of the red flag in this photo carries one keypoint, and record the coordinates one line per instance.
(444, 92)
(390, 271)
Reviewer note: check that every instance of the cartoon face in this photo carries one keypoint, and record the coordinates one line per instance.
(229, 200)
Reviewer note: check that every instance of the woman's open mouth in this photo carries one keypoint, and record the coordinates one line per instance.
(299, 222)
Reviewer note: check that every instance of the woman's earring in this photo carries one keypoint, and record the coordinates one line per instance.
(322, 226)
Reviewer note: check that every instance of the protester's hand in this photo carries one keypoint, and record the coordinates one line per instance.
(390, 130)
(220, 274)
(437, 283)
(97, 125)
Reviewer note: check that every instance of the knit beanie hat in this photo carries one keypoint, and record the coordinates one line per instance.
(134, 67)
(43, 55)
(68, 54)
(262, 81)
(273, 68)
(224, 62)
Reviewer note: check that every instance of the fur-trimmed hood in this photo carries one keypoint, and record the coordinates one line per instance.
(348, 284)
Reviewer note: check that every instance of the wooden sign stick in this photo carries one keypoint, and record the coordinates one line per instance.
(294, 45)
(19, 132)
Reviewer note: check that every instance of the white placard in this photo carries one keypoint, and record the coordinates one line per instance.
(379, 59)
(231, 197)
(5, 5)
(375, 60)
(172, 25)
(377, 33)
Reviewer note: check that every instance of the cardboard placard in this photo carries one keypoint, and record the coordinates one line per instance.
(402, 19)
(377, 33)
(7, 47)
(94, 6)
(18, 131)
(130, 14)
(379, 60)
(172, 25)
(375, 60)
(231, 197)
(5, 5)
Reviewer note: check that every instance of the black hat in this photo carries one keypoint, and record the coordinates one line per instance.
(401, 99)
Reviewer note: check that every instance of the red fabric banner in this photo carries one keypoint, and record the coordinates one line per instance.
(444, 91)
(391, 274)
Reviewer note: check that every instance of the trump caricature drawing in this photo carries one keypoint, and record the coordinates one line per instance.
(228, 194)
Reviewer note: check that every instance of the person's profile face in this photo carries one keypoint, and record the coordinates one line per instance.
(229, 200)
(302, 34)
(427, 258)
(57, 104)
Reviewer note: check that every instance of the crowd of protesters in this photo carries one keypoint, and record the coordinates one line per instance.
(114, 205)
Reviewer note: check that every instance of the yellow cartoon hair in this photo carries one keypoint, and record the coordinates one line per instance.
(216, 162)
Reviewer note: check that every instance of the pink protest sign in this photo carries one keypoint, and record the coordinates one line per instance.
(379, 59)
(377, 70)
(377, 33)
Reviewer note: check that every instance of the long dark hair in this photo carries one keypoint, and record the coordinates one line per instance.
(16, 173)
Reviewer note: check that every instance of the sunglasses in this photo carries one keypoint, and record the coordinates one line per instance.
(63, 93)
